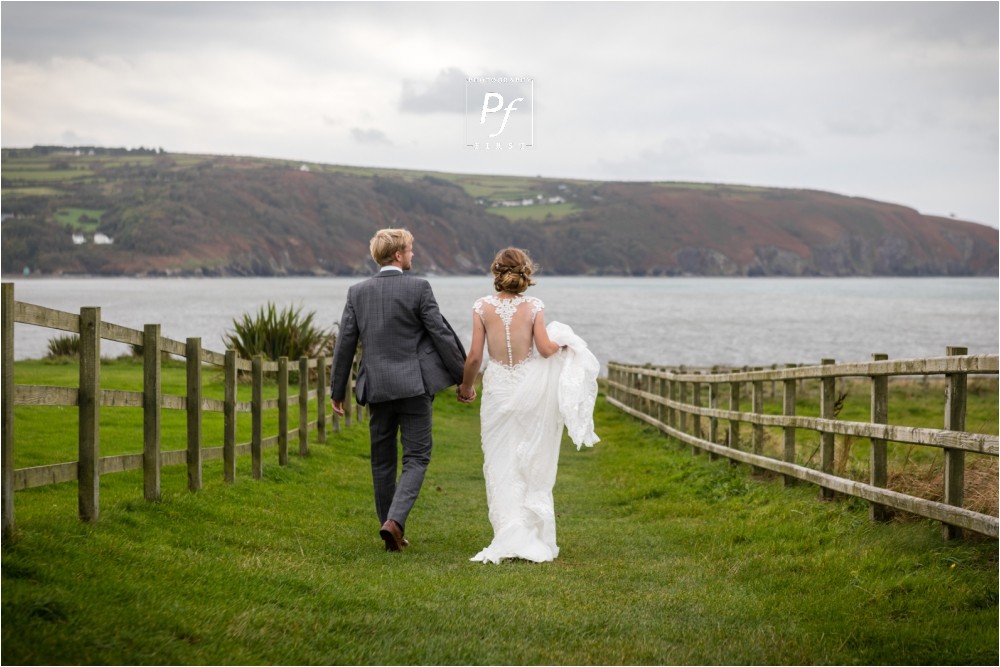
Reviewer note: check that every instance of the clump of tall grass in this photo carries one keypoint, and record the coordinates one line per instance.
(63, 346)
(277, 333)
(927, 481)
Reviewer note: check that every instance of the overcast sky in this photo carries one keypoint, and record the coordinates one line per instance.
(892, 101)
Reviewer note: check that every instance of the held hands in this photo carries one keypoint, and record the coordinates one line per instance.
(466, 393)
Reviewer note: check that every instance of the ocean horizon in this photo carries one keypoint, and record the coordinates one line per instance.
(696, 321)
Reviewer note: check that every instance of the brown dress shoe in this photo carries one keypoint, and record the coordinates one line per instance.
(392, 534)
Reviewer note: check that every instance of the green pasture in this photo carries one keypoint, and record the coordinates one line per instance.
(71, 217)
(536, 212)
(32, 191)
(681, 185)
(666, 558)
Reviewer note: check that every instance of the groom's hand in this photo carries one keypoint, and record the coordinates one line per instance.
(338, 407)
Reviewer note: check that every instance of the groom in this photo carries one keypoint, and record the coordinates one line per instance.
(409, 353)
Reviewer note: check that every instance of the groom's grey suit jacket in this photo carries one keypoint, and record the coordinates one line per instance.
(408, 347)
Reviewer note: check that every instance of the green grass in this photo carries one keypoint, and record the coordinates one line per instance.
(536, 212)
(71, 218)
(29, 192)
(666, 558)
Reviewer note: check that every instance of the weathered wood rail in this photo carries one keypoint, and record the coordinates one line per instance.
(89, 398)
(674, 402)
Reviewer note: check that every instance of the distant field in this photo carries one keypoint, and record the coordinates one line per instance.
(30, 192)
(536, 212)
(32, 175)
(71, 217)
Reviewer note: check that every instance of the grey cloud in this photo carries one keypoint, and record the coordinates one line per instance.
(752, 144)
(71, 138)
(370, 136)
(444, 94)
(964, 24)
(447, 93)
(856, 126)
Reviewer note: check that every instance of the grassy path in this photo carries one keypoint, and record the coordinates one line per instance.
(667, 558)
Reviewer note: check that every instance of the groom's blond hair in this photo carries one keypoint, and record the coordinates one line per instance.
(387, 242)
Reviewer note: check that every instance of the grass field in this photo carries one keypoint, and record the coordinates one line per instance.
(666, 558)
(72, 217)
(538, 212)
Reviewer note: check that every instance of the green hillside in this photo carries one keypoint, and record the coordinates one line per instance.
(145, 211)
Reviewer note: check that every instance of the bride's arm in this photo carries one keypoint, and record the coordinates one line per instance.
(543, 343)
(474, 360)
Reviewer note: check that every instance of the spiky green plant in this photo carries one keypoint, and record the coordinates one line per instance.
(273, 334)
(63, 346)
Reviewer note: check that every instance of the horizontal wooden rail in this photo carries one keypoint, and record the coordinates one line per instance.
(27, 313)
(27, 394)
(672, 401)
(987, 364)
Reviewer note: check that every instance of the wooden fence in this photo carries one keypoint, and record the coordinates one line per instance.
(89, 398)
(674, 401)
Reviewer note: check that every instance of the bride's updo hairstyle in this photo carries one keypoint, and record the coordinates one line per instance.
(512, 269)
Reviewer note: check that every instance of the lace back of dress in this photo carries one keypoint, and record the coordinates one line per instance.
(509, 325)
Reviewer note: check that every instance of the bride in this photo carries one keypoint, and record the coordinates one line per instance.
(527, 399)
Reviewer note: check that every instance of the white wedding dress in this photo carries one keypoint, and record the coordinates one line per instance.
(526, 401)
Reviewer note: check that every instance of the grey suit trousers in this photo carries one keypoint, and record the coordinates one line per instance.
(412, 416)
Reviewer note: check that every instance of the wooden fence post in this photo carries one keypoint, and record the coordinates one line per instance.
(152, 394)
(640, 385)
(672, 411)
(956, 385)
(321, 399)
(8, 412)
(734, 425)
(283, 411)
(192, 353)
(878, 459)
(229, 419)
(696, 418)
(757, 432)
(713, 422)
(683, 413)
(826, 401)
(788, 409)
(304, 406)
(662, 390)
(89, 457)
(635, 383)
(257, 415)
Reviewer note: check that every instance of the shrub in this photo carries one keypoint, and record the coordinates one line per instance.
(273, 334)
(63, 346)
